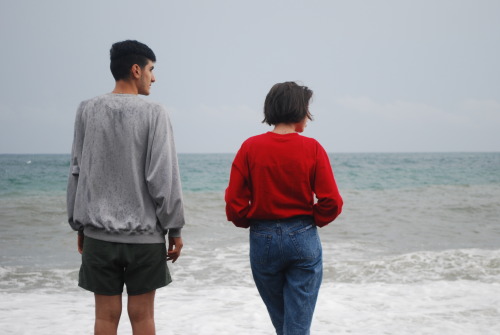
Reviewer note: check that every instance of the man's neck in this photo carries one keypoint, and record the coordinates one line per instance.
(125, 87)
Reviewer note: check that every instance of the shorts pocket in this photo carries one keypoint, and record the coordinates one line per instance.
(306, 242)
(260, 243)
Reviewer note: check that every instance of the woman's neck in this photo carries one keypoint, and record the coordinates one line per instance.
(284, 128)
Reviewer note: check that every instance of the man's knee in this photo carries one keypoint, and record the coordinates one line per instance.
(111, 315)
(141, 307)
(108, 308)
(138, 314)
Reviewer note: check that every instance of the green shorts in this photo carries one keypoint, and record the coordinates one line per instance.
(106, 266)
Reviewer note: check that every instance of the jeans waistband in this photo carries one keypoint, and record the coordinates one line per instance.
(306, 218)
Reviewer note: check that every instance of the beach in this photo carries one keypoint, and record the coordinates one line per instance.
(416, 251)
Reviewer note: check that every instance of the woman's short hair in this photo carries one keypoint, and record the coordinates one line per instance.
(287, 103)
(127, 53)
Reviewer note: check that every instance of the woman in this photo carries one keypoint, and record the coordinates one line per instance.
(274, 178)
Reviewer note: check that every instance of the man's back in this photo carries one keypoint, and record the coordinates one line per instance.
(123, 155)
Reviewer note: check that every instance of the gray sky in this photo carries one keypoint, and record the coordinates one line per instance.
(388, 75)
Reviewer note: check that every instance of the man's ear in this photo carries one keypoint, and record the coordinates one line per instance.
(135, 71)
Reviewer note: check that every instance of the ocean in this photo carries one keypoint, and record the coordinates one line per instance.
(415, 251)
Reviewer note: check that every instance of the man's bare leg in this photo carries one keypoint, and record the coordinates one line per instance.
(141, 313)
(108, 309)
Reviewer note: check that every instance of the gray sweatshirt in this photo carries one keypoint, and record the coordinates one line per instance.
(124, 183)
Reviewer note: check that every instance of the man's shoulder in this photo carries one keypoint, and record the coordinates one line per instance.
(92, 101)
(115, 100)
(96, 98)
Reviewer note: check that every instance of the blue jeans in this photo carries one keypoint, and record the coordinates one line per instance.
(287, 267)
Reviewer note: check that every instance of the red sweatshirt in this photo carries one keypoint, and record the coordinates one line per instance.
(276, 177)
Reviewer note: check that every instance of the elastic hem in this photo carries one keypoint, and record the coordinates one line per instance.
(149, 290)
(99, 234)
(100, 293)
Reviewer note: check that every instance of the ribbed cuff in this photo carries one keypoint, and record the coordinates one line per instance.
(175, 232)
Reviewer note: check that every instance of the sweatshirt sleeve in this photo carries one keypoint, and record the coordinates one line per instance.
(329, 204)
(74, 170)
(238, 193)
(163, 177)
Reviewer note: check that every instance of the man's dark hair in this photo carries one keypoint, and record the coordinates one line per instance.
(127, 53)
(287, 103)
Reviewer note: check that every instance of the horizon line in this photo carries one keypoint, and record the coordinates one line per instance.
(332, 152)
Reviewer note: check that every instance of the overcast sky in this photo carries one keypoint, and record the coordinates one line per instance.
(387, 76)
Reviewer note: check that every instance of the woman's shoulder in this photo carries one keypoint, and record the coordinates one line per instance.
(256, 139)
(310, 141)
(313, 144)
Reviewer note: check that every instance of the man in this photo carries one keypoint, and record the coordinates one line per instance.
(124, 193)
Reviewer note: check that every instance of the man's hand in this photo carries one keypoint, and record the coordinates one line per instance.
(81, 237)
(174, 248)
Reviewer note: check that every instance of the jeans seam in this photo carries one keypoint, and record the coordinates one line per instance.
(294, 237)
(301, 230)
(264, 257)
